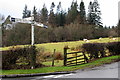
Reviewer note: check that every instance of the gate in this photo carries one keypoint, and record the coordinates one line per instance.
(74, 58)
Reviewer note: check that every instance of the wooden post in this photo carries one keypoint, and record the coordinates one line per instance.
(76, 58)
(85, 57)
(53, 57)
(65, 56)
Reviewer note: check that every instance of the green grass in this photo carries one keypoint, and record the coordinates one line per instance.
(49, 47)
(97, 62)
(56, 63)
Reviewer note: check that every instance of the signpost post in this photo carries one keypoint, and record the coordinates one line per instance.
(31, 21)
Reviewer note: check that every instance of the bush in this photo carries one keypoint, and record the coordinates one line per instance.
(114, 48)
(93, 49)
(13, 56)
(58, 56)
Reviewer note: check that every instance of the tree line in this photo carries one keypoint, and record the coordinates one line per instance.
(75, 24)
(75, 14)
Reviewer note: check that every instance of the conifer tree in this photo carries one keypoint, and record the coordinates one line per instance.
(51, 18)
(26, 12)
(60, 16)
(94, 13)
(82, 13)
(72, 13)
(35, 14)
(44, 15)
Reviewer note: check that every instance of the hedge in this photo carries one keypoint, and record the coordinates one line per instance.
(10, 57)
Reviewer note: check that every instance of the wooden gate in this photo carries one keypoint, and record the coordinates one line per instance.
(74, 58)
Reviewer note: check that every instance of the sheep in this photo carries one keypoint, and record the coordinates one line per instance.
(86, 40)
(114, 39)
(100, 38)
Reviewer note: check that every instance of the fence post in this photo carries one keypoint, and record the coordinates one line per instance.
(65, 56)
(86, 59)
(53, 57)
(76, 58)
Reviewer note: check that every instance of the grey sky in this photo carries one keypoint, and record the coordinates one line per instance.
(109, 8)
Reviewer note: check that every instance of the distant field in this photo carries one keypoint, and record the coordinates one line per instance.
(49, 47)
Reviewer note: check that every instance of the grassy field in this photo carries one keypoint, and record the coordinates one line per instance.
(49, 47)
(95, 63)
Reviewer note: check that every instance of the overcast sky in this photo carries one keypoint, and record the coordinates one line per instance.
(109, 8)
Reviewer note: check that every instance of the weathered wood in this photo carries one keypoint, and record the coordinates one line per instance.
(81, 62)
(70, 57)
(76, 58)
(53, 57)
(75, 52)
(71, 61)
(79, 55)
(65, 56)
(81, 59)
(86, 59)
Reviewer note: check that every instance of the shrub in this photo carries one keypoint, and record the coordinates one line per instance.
(93, 49)
(12, 56)
(43, 56)
(113, 47)
(58, 56)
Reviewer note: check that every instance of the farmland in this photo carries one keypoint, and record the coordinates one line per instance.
(49, 47)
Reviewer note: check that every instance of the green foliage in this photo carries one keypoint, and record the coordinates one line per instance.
(113, 48)
(43, 15)
(35, 14)
(18, 35)
(26, 12)
(94, 13)
(93, 49)
(82, 13)
(51, 19)
(11, 58)
(72, 13)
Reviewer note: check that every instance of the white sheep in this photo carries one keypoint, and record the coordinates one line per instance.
(114, 39)
(86, 40)
(100, 38)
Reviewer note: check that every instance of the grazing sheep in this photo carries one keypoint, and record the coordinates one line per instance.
(100, 38)
(114, 39)
(86, 40)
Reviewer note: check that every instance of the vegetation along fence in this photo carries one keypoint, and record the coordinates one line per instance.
(74, 58)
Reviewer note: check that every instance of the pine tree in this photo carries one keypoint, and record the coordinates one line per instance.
(97, 12)
(82, 13)
(44, 15)
(94, 13)
(72, 13)
(90, 14)
(26, 12)
(51, 18)
(60, 16)
(35, 14)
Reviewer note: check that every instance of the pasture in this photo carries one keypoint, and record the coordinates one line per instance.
(49, 47)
